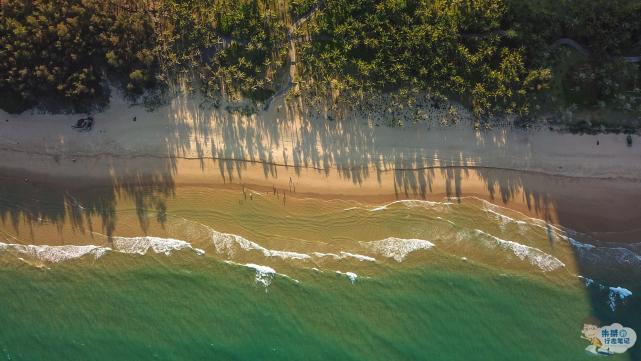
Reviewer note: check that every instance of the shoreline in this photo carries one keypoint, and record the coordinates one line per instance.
(565, 179)
(604, 207)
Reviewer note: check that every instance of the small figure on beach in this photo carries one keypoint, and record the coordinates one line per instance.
(134, 119)
(628, 140)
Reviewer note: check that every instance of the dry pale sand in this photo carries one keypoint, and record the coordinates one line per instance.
(563, 178)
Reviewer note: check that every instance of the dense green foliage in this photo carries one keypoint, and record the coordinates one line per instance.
(494, 55)
(444, 47)
(61, 51)
(236, 47)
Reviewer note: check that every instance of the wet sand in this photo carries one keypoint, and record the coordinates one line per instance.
(564, 179)
(608, 208)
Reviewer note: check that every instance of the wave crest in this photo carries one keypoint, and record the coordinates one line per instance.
(535, 256)
(398, 248)
(228, 243)
(142, 245)
(56, 254)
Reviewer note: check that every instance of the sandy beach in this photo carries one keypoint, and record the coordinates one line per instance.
(190, 217)
(565, 179)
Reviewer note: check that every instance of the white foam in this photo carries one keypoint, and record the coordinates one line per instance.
(398, 248)
(264, 274)
(412, 203)
(322, 255)
(344, 255)
(587, 281)
(226, 243)
(56, 254)
(605, 255)
(350, 275)
(535, 256)
(142, 245)
(556, 230)
(619, 292)
(502, 217)
(446, 220)
(577, 244)
(359, 257)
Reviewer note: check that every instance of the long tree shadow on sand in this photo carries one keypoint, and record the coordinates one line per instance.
(357, 150)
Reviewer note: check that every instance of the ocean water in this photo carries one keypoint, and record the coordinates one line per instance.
(245, 275)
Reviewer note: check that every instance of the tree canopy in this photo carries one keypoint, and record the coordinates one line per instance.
(496, 56)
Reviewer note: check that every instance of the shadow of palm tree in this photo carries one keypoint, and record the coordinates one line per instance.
(289, 135)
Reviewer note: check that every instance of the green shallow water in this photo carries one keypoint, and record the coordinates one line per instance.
(495, 285)
(191, 308)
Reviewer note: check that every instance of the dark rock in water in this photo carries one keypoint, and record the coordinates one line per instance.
(628, 139)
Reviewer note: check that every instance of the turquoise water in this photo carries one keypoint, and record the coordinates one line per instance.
(234, 281)
(190, 309)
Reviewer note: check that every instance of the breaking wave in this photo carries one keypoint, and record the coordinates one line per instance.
(128, 245)
(344, 255)
(142, 245)
(264, 274)
(227, 243)
(55, 254)
(535, 256)
(413, 203)
(351, 276)
(397, 248)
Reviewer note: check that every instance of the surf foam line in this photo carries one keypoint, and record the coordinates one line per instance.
(557, 230)
(264, 274)
(344, 255)
(127, 245)
(587, 252)
(225, 243)
(535, 256)
(55, 254)
(615, 294)
(228, 243)
(398, 248)
(144, 244)
(606, 255)
(412, 203)
(351, 276)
